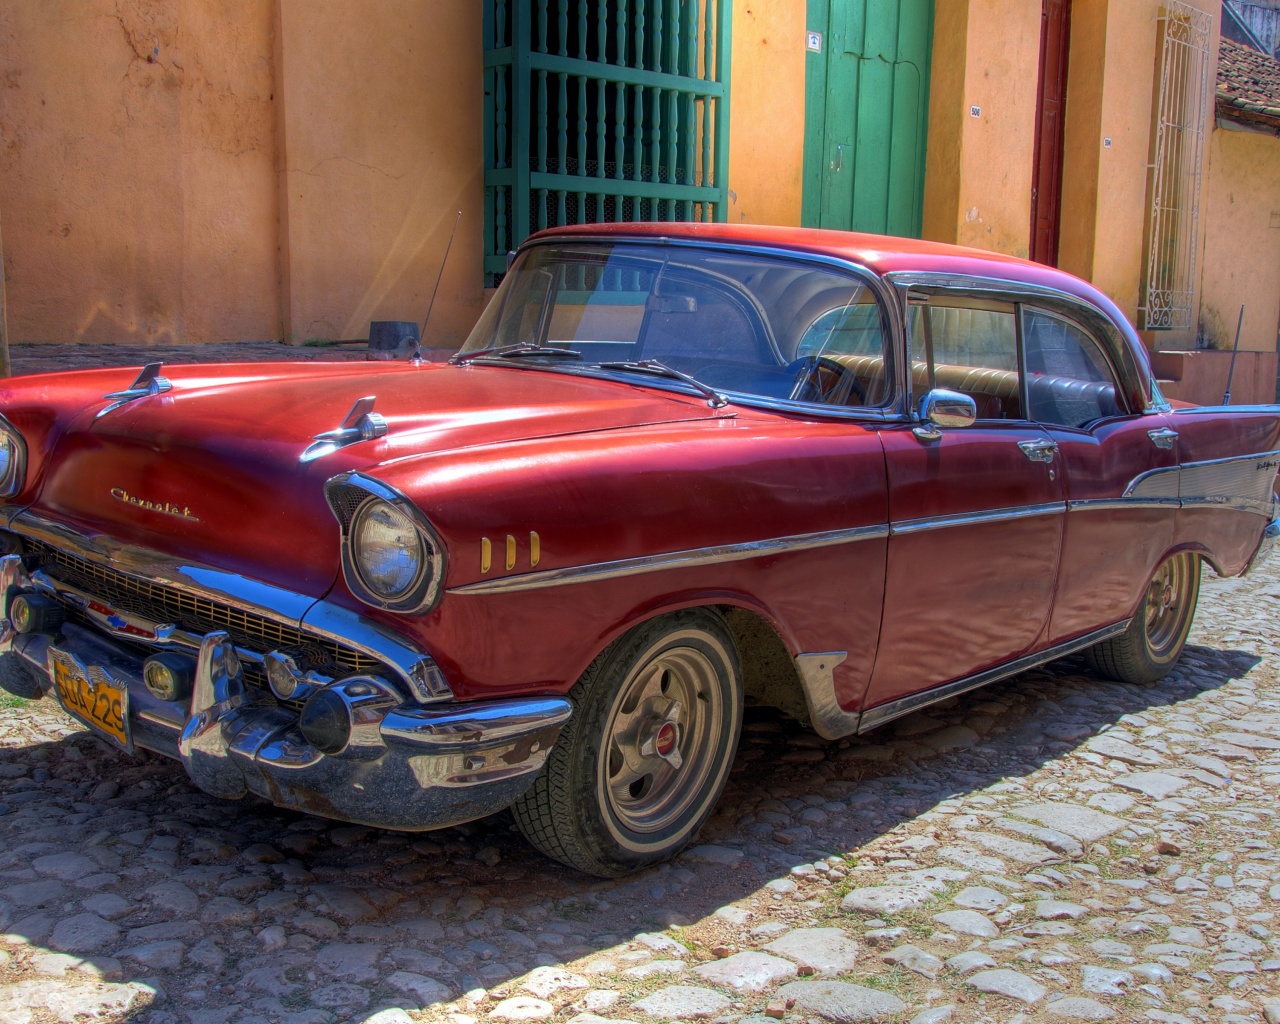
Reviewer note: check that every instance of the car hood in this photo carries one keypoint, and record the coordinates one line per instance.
(210, 470)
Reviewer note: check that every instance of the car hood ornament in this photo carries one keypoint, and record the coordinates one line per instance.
(360, 424)
(149, 382)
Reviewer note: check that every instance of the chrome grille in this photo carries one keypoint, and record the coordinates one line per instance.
(192, 612)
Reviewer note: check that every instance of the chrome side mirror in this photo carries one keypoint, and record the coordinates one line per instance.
(944, 408)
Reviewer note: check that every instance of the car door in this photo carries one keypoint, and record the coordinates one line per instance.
(1119, 465)
(976, 514)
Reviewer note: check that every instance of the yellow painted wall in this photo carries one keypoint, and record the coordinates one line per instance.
(766, 112)
(978, 168)
(1242, 240)
(382, 145)
(137, 148)
(1110, 81)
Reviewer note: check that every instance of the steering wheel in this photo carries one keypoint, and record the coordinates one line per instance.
(823, 381)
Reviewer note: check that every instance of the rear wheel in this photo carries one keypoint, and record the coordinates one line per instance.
(1150, 647)
(642, 762)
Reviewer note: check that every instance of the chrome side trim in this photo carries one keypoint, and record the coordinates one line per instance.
(1200, 410)
(877, 716)
(908, 526)
(1241, 483)
(817, 679)
(1104, 504)
(671, 560)
(299, 611)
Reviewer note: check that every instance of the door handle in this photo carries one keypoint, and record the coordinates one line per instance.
(1039, 449)
(1162, 437)
(838, 165)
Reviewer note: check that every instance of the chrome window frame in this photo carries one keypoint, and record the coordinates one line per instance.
(1117, 378)
(1113, 336)
(897, 409)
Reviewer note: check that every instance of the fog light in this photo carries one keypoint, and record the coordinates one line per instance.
(169, 676)
(325, 723)
(34, 613)
(282, 675)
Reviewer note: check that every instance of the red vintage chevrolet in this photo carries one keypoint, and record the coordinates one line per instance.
(674, 467)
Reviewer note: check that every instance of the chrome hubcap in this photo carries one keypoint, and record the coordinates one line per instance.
(665, 721)
(1167, 598)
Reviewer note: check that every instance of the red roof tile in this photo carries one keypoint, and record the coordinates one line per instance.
(1248, 85)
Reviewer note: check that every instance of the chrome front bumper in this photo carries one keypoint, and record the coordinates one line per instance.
(411, 766)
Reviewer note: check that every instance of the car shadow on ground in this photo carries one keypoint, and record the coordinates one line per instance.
(204, 882)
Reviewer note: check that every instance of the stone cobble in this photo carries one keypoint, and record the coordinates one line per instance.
(1056, 847)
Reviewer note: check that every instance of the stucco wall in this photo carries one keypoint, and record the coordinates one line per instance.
(1242, 241)
(137, 153)
(1109, 115)
(978, 168)
(223, 170)
(381, 147)
(766, 112)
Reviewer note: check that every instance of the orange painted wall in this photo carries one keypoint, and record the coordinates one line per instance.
(1242, 241)
(766, 112)
(137, 149)
(381, 147)
(978, 168)
(1105, 186)
(221, 170)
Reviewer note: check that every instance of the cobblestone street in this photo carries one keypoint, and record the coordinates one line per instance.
(1055, 847)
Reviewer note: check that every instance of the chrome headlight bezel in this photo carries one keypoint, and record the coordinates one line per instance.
(13, 467)
(353, 496)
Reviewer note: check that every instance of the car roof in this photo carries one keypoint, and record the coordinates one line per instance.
(882, 254)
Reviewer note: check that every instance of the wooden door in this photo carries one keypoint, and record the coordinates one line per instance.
(1051, 102)
(866, 114)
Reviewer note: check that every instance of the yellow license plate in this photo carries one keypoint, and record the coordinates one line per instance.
(97, 702)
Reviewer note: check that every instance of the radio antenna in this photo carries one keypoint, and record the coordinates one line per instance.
(1231, 372)
(417, 350)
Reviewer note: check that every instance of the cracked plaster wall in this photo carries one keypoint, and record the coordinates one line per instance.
(137, 159)
(177, 171)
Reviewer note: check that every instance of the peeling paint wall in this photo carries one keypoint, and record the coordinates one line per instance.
(1242, 241)
(137, 151)
(194, 171)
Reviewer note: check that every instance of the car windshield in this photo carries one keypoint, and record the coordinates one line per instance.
(715, 321)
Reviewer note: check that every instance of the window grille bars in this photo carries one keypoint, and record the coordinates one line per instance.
(602, 110)
(1178, 157)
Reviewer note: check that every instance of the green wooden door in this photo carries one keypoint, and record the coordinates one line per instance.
(866, 114)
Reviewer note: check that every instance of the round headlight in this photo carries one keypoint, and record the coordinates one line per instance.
(6, 456)
(388, 550)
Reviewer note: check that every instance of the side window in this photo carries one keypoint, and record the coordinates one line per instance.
(971, 348)
(1069, 381)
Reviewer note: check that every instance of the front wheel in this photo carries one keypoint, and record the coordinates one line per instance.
(642, 762)
(1152, 644)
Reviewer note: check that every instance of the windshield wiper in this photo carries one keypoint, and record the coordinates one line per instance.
(659, 369)
(517, 351)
